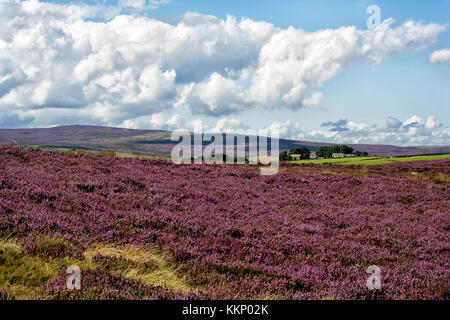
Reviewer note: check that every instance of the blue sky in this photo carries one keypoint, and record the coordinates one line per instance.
(404, 84)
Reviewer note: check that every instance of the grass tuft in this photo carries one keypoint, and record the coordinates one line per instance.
(22, 275)
(143, 264)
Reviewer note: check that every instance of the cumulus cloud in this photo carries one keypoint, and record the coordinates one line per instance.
(393, 123)
(340, 125)
(155, 121)
(138, 6)
(286, 129)
(231, 125)
(177, 122)
(295, 62)
(55, 60)
(132, 4)
(412, 131)
(313, 100)
(440, 56)
(13, 120)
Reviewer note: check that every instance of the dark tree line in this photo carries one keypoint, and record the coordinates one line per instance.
(322, 152)
(326, 152)
(360, 154)
(284, 156)
(302, 151)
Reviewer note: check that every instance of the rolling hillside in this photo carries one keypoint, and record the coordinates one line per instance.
(158, 142)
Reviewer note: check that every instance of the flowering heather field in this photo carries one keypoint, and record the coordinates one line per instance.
(308, 232)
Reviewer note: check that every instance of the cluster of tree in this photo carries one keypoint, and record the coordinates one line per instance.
(302, 151)
(284, 156)
(322, 152)
(360, 154)
(326, 152)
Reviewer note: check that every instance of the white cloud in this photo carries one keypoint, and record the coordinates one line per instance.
(313, 100)
(286, 129)
(294, 63)
(139, 6)
(393, 123)
(218, 95)
(176, 121)
(440, 56)
(56, 64)
(414, 121)
(231, 125)
(413, 131)
(132, 4)
(432, 123)
(155, 121)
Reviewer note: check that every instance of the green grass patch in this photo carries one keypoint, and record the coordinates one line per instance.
(143, 264)
(372, 160)
(22, 275)
(24, 269)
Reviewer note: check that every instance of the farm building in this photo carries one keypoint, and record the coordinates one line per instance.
(338, 155)
(295, 156)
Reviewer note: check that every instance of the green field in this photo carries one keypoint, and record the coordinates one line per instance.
(373, 160)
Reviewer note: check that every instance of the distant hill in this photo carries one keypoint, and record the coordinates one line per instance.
(158, 142)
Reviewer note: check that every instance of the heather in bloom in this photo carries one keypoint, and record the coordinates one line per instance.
(308, 232)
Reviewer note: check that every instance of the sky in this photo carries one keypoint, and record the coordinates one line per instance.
(317, 70)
